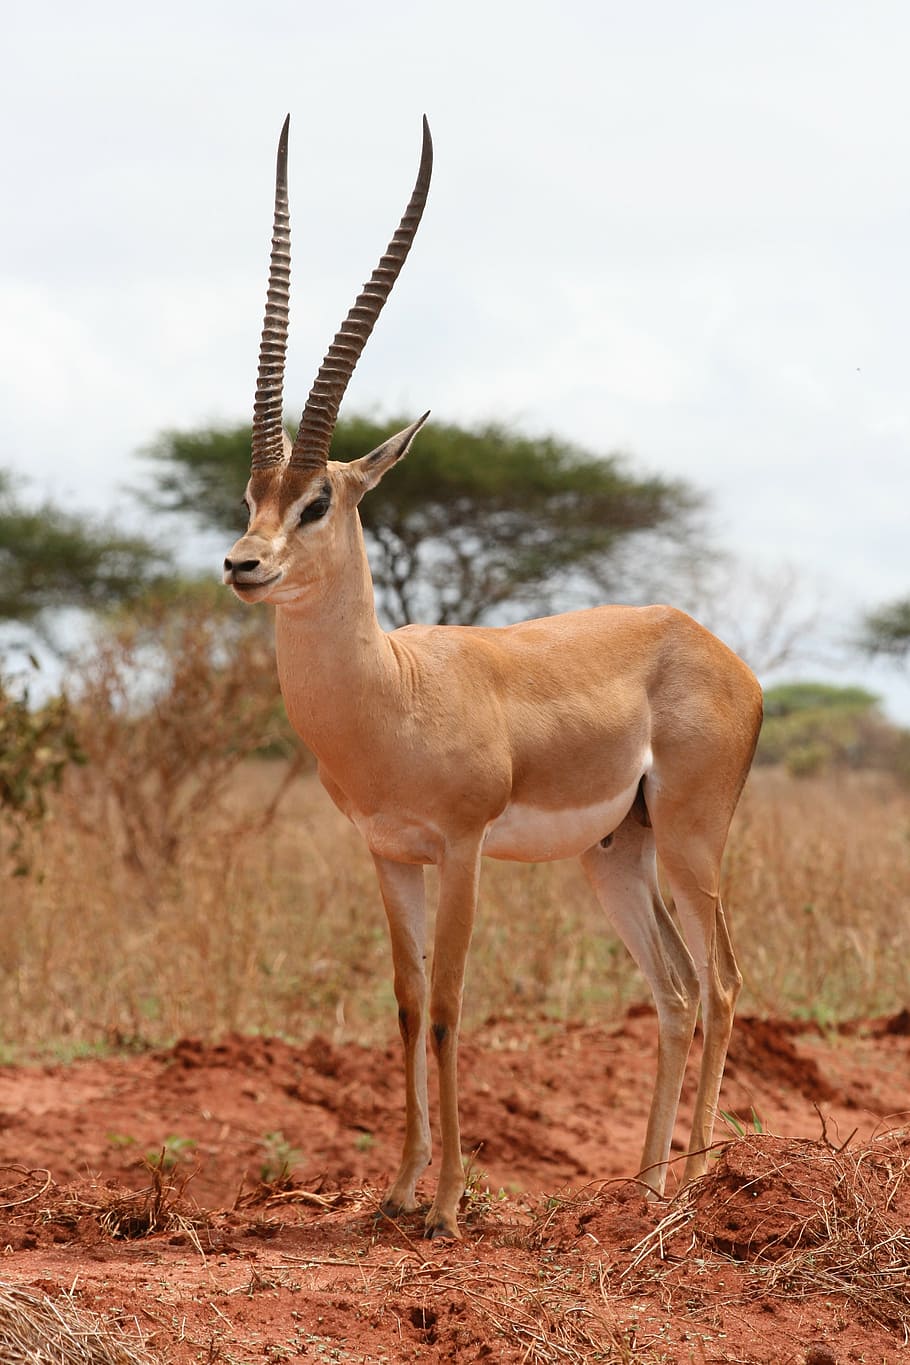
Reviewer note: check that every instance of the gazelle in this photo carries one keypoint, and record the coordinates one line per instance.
(605, 734)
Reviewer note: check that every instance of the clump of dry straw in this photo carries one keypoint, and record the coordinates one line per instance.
(35, 1330)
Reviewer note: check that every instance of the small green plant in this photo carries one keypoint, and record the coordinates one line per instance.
(364, 1142)
(478, 1198)
(738, 1126)
(170, 1154)
(119, 1141)
(279, 1159)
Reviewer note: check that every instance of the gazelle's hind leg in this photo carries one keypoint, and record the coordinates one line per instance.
(691, 846)
(702, 917)
(623, 874)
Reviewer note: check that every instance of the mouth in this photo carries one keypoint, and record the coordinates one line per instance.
(249, 590)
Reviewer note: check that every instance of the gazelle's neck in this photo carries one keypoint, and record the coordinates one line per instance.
(334, 658)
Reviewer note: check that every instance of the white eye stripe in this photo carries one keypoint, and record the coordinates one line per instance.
(322, 500)
(292, 518)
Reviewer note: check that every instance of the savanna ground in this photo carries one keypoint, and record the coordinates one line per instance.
(202, 1097)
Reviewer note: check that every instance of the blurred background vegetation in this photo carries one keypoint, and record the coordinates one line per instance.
(169, 863)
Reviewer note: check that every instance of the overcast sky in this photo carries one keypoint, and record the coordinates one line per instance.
(680, 230)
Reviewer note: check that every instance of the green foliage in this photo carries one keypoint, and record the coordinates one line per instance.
(478, 1199)
(886, 631)
(36, 746)
(475, 521)
(812, 726)
(787, 699)
(202, 475)
(51, 559)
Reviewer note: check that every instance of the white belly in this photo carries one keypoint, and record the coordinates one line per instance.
(528, 834)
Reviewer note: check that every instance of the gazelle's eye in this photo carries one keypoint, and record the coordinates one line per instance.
(246, 505)
(316, 510)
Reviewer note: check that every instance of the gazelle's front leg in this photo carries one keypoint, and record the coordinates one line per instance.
(458, 880)
(403, 895)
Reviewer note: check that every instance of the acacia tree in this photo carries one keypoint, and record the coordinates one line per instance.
(478, 524)
(50, 559)
(886, 631)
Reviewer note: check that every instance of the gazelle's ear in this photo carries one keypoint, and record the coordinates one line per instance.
(369, 469)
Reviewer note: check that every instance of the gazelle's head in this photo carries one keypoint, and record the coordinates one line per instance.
(301, 504)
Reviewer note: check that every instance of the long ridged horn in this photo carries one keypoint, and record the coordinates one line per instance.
(314, 436)
(268, 435)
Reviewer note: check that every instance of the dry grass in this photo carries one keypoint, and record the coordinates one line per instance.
(817, 877)
(547, 1312)
(276, 926)
(36, 1330)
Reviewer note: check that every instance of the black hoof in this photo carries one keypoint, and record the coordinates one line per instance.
(441, 1230)
(389, 1209)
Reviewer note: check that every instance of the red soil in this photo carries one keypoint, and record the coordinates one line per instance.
(214, 1266)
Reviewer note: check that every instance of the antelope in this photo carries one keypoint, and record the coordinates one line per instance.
(612, 734)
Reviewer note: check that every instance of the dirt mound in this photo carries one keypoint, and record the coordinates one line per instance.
(771, 1195)
(898, 1024)
(776, 1222)
(763, 1048)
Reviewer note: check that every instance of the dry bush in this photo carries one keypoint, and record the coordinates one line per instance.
(169, 705)
(146, 838)
(36, 747)
(813, 727)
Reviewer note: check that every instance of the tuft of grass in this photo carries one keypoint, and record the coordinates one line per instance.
(737, 1126)
(36, 1328)
(478, 1198)
(120, 1141)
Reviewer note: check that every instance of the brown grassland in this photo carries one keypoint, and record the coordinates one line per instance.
(139, 924)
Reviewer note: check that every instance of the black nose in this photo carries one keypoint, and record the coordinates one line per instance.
(247, 566)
